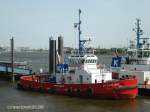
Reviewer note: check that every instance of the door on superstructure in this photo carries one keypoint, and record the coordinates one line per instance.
(81, 79)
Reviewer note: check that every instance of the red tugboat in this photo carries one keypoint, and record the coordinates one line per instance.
(117, 89)
(82, 77)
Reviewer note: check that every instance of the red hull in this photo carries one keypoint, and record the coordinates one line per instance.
(119, 89)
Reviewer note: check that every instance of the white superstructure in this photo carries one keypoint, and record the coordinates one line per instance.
(137, 59)
(82, 65)
(138, 63)
(83, 69)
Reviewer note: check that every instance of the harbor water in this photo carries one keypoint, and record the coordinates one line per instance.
(13, 100)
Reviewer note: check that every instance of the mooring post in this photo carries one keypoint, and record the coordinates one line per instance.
(12, 58)
(50, 60)
(61, 49)
(52, 56)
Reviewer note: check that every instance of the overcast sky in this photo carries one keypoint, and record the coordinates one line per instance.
(108, 22)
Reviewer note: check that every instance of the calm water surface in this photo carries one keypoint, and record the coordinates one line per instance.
(10, 96)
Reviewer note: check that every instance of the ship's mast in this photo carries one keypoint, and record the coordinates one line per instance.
(138, 31)
(79, 31)
(81, 42)
(80, 48)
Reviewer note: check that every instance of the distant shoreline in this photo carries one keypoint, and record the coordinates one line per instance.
(97, 51)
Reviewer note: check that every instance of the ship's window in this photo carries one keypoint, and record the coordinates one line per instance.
(86, 61)
(75, 62)
(146, 54)
(95, 61)
(82, 61)
(78, 61)
(92, 61)
(72, 71)
(131, 53)
(89, 61)
(140, 54)
(70, 61)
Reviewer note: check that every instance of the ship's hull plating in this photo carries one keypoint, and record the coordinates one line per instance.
(120, 89)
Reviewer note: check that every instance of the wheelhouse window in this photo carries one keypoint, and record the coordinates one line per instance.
(131, 53)
(139, 54)
(146, 54)
(91, 61)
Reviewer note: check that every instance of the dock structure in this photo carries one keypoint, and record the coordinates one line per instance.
(12, 70)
